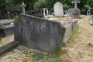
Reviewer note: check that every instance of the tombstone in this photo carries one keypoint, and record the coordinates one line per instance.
(74, 13)
(23, 7)
(58, 9)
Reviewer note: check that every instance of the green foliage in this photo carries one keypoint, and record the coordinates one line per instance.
(57, 52)
(87, 7)
(35, 4)
(17, 4)
(2, 6)
(74, 35)
(53, 60)
(38, 56)
(40, 4)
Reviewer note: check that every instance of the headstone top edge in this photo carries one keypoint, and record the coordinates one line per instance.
(58, 3)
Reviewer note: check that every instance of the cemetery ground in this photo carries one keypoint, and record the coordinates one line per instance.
(79, 48)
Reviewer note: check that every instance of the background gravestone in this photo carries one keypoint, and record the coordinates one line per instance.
(70, 11)
(58, 9)
(75, 13)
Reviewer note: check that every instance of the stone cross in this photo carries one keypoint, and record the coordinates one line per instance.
(75, 3)
(23, 7)
(8, 14)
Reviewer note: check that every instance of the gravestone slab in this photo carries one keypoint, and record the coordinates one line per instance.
(58, 9)
(37, 33)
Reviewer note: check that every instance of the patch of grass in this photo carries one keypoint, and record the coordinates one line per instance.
(35, 57)
(40, 57)
(80, 55)
(1, 42)
(64, 50)
(56, 55)
(57, 52)
(55, 60)
(74, 34)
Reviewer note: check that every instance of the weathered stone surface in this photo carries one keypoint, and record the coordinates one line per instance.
(9, 31)
(39, 34)
(74, 23)
(75, 13)
(68, 31)
(6, 27)
(58, 9)
(70, 11)
(70, 28)
(8, 47)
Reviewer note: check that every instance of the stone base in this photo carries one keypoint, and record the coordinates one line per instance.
(76, 14)
(70, 28)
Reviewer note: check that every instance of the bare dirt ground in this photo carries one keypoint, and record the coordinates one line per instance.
(79, 50)
(6, 40)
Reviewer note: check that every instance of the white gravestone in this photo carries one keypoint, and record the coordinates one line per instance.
(58, 9)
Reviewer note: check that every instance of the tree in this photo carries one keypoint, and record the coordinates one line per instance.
(40, 4)
(2, 6)
(29, 3)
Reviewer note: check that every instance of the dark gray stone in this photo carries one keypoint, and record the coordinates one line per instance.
(6, 27)
(74, 23)
(9, 31)
(8, 47)
(68, 31)
(39, 34)
(70, 27)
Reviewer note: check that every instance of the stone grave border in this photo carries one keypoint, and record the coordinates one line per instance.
(69, 29)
